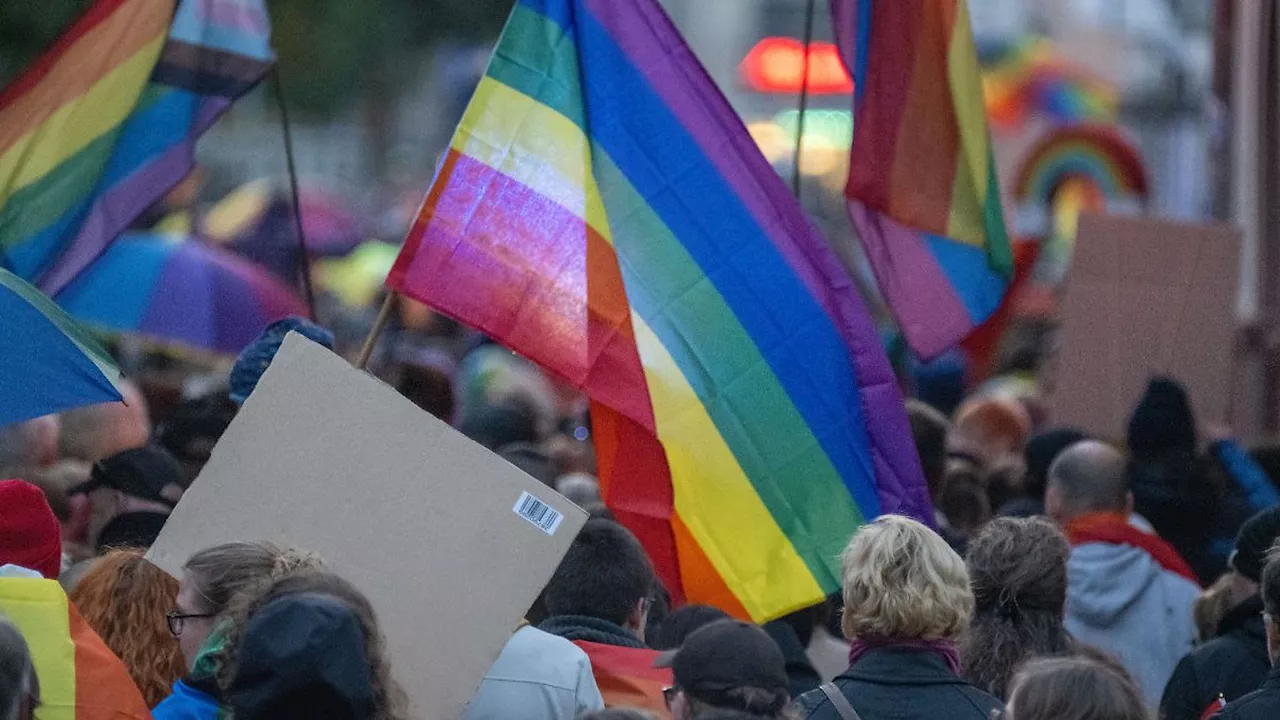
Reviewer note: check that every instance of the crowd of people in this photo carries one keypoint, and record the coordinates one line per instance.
(1061, 577)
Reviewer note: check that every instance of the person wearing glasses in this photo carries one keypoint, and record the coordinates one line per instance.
(1235, 662)
(727, 665)
(1265, 701)
(211, 580)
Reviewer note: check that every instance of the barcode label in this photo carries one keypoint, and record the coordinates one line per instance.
(539, 513)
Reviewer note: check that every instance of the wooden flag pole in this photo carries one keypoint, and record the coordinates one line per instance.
(384, 315)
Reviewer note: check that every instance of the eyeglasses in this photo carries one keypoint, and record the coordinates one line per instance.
(669, 695)
(178, 620)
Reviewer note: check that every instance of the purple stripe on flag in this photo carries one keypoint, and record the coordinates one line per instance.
(932, 316)
(680, 80)
(843, 20)
(116, 208)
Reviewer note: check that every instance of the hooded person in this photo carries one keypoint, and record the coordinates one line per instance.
(1129, 593)
(19, 686)
(80, 675)
(1235, 662)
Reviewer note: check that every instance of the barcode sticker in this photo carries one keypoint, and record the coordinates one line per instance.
(539, 513)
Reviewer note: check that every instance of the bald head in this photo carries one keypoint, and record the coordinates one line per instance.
(1087, 477)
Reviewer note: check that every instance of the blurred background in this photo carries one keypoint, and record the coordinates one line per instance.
(1171, 102)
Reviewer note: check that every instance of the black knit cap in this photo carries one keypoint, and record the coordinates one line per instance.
(1256, 537)
(1163, 420)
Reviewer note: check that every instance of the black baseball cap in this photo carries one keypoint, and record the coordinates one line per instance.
(724, 655)
(149, 473)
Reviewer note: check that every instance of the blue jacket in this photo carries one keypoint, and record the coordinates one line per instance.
(187, 703)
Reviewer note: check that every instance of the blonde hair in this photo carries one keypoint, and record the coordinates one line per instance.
(903, 582)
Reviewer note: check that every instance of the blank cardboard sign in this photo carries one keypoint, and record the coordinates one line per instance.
(1145, 298)
(450, 542)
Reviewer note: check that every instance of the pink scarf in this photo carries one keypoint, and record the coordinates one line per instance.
(944, 649)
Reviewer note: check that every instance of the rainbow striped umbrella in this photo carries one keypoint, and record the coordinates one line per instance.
(182, 292)
(48, 363)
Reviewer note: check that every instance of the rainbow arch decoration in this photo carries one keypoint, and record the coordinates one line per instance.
(1032, 78)
(1074, 169)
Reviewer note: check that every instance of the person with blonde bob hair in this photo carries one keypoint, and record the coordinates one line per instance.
(906, 602)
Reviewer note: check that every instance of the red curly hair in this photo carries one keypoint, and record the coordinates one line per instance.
(124, 599)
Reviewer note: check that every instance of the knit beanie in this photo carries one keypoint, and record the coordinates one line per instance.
(1254, 541)
(1163, 420)
(29, 533)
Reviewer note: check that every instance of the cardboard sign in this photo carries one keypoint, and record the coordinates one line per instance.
(451, 543)
(1144, 298)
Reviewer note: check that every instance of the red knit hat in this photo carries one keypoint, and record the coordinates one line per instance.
(29, 533)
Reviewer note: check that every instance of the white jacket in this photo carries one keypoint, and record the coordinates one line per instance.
(538, 676)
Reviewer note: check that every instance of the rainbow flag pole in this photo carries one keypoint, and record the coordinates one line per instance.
(603, 211)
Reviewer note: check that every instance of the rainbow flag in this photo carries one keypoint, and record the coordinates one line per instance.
(105, 123)
(922, 191)
(80, 678)
(627, 678)
(603, 211)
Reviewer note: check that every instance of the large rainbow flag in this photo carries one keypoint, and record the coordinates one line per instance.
(603, 211)
(922, 191)
(105, 123)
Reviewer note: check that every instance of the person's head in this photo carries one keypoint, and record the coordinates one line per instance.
(988, 428)
(727, 665)
(903, 582)
(530, 459)
(30, 535)
(929, 430)
(964, 501)
(19, 687)
(680, 624)
(501, 424)
(1087, 477)
(1214, 603)
(426, 380)
(1163, 421)
(1073, 688)
(29, 445)
(1270, 588)
(215, 576)
(124, 599)
(1253, 543)
(1018, 572)
(1042, 450)
(606, 575)
(142, 480)
(95, 432)
(579, 488)
(194, 428)
(308, 645)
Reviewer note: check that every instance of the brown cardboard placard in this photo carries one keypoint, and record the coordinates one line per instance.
(425, 522)
(1144, 297)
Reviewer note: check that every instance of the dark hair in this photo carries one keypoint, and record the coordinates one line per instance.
(963, 500)
(617, 714)
(504, 423)
(742, 703)
(430, 388)
(604, 575)
(1018, 571)
(389, 700)
(1269, 585)
(929, 431)
(1074, 688)
(679, 624)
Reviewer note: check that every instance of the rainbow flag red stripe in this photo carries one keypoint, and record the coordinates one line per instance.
(922, 191)
(105, 123)
(603, 211)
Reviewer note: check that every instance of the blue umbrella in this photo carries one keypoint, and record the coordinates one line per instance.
(48, 362)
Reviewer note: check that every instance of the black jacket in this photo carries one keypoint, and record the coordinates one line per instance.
(1233, 665)
(904, 685)
(1262, 704)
